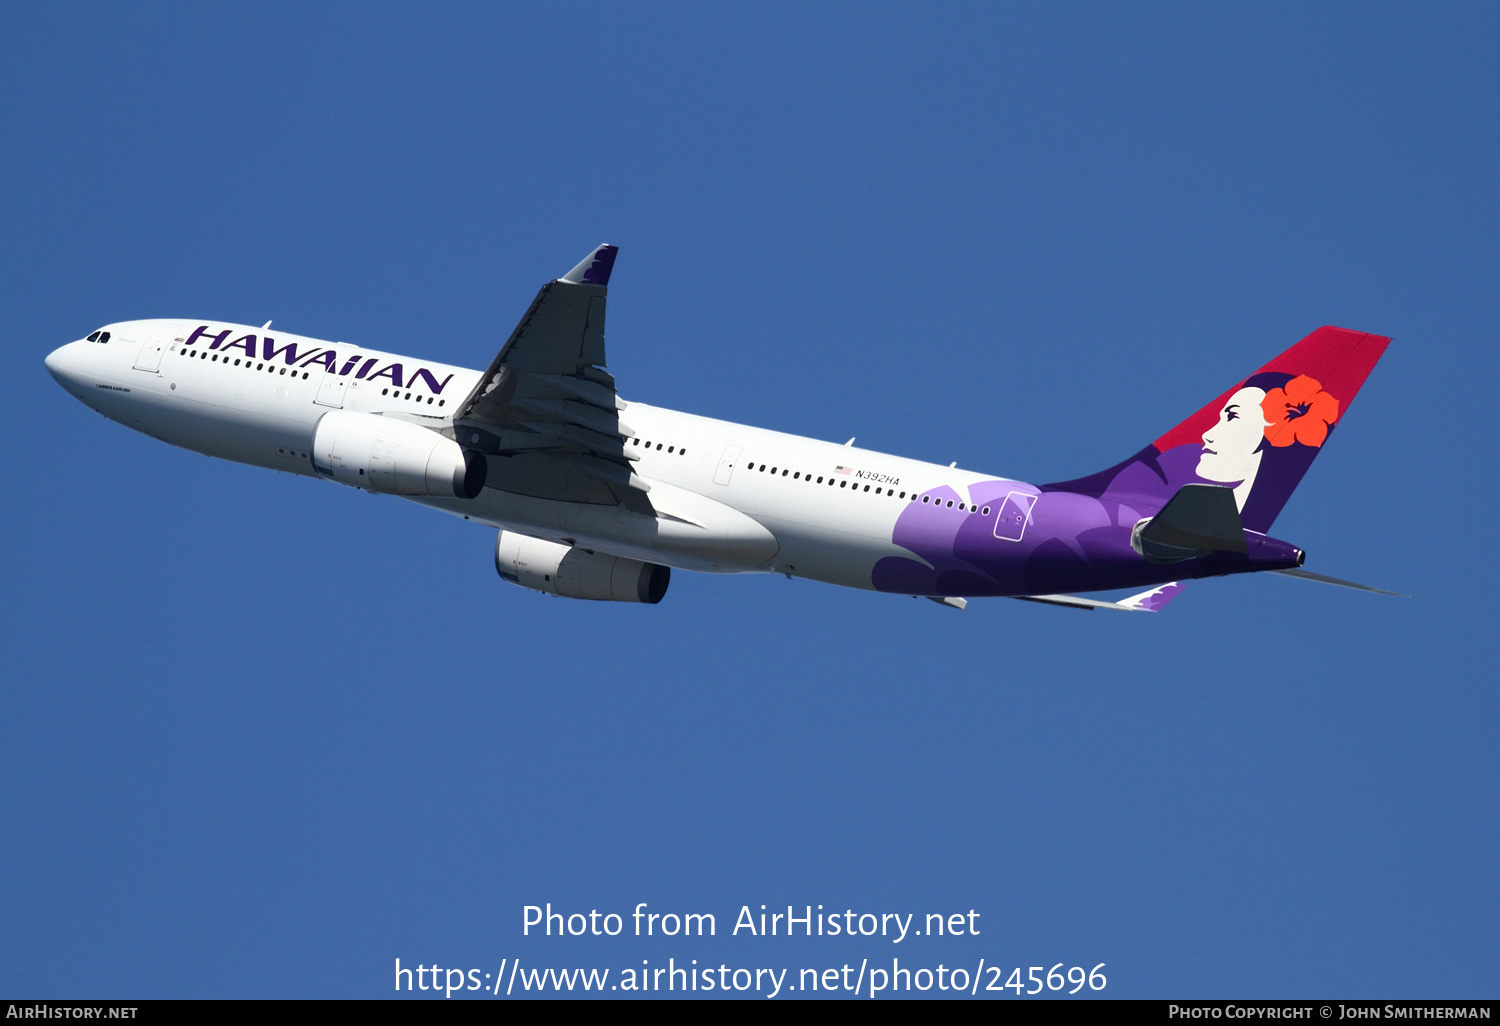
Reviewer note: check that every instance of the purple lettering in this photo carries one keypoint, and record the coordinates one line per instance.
(366, 368)
(268, 347)
(393, 372)
(432, 384)
(247, 343)
(201, 330)
(350, 365)
(326, 357)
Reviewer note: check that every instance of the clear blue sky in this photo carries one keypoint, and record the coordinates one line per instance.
(261, 736)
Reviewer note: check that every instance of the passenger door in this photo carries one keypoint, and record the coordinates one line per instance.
(727, 463)
(331, 389)
(1014, 515)
(152, 345)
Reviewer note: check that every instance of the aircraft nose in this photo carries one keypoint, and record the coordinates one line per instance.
(66, 364)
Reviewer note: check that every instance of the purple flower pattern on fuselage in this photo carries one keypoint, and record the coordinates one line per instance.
(1069, 540)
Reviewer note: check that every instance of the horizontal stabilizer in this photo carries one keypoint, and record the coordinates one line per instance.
(1146, 602)
(1308, 575)
(1198, 520)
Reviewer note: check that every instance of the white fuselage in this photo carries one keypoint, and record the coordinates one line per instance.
(728, 498)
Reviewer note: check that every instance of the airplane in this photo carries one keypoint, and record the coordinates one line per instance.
(596, 497)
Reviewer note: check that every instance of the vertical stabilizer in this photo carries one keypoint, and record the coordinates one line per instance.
(1258, 438)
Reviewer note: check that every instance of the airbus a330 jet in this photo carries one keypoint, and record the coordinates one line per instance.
(597, 497)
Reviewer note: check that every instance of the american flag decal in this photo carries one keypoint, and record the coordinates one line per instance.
(844, 470)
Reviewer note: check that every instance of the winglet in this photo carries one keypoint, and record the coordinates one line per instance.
(594, 269)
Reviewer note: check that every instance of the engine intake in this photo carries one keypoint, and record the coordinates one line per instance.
(384, 454)
(577, 573)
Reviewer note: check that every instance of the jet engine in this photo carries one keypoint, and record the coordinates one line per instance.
(577, 573)
(383, 454)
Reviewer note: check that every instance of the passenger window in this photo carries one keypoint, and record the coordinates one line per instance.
(843, 484)
(985, 512)
(670, 448)
(635, 441)
(950, 503)
(820, 480)
(925, 498)
(658, 445)
(682, 452)
(867, 487)
(784, 473)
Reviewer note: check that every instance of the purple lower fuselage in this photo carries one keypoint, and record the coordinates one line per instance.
(1049, 539)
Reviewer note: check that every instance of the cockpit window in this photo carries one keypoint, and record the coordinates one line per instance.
(95, 336)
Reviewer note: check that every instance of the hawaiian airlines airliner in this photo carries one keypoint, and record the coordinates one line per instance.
(597, 497)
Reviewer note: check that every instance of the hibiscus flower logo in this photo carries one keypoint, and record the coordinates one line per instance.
(1299, 411)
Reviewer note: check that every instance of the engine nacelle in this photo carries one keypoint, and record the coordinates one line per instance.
(576, 573)
(384, 454)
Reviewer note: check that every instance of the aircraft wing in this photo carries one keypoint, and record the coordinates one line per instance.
(545, 413)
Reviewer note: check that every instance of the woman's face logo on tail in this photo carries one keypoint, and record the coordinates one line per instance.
(1229, 447)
